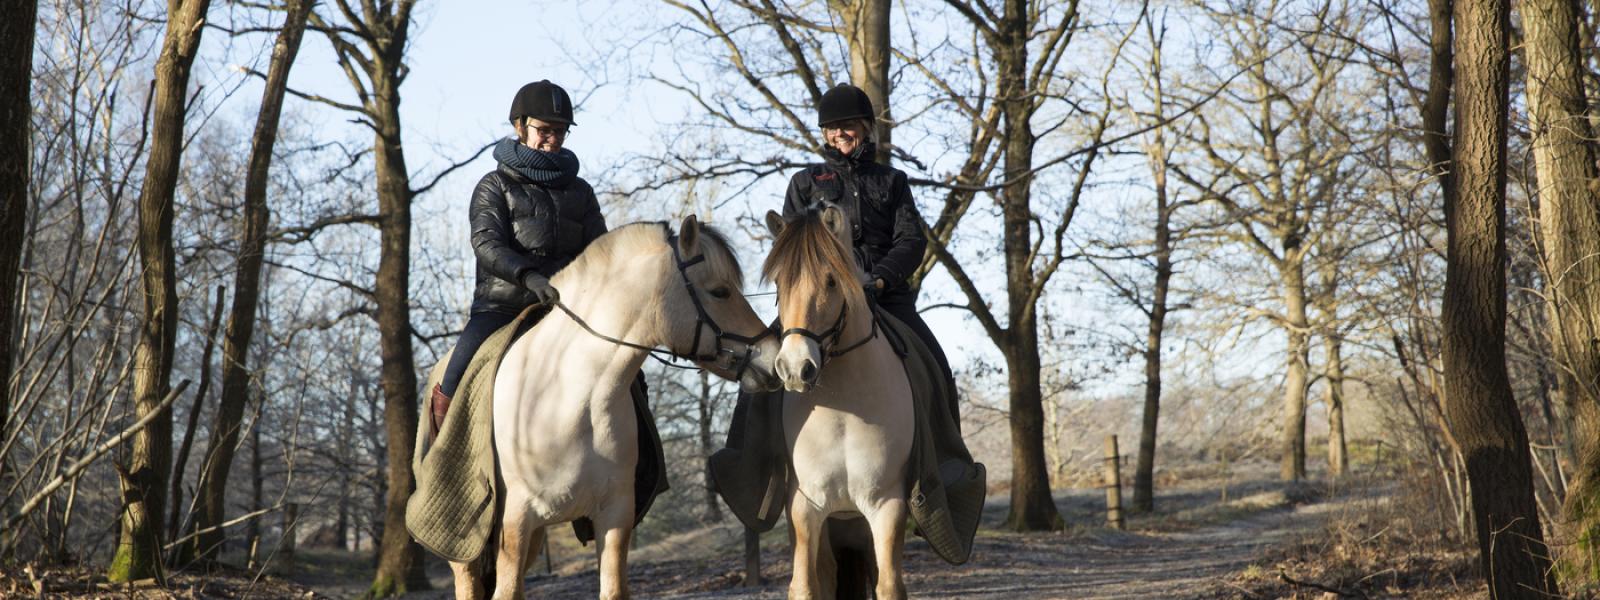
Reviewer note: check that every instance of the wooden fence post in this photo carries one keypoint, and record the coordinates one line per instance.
(1113, 485)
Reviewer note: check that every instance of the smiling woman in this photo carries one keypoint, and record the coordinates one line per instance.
(530, 217)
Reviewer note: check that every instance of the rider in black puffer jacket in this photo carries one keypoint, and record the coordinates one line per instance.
(886, 227)
(530, 217)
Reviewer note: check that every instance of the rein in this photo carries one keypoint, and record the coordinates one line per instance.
(703, 320)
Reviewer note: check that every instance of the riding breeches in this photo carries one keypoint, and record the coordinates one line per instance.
(479, 327)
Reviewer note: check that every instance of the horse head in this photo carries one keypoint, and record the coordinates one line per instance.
(819, 291)
(725, 337)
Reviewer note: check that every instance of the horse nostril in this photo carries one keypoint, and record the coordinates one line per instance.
(808, 371)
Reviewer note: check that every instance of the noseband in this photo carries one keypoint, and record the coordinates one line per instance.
(830, 337)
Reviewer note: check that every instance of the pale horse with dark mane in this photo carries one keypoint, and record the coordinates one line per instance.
(848, 415)
(564, 423)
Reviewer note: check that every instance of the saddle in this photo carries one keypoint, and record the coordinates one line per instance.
(455, 505)
(947, 488)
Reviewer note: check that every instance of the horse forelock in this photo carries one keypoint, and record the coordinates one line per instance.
(805, 254)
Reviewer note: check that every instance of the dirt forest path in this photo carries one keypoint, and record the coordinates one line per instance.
(1188, 558)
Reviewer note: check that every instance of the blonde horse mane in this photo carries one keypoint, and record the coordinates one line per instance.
(636, 239)
(806, 254)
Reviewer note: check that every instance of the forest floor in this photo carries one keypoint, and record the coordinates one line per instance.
(1250, 539)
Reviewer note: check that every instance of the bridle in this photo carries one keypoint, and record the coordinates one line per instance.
(703, 320)
(830, 337)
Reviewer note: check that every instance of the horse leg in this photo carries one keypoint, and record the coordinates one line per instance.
(888, 525)
(613, 533)
(535, 546)
(516, 529)
(468, 586)
(806, 522)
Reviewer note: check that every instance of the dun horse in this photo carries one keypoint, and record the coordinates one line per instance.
(564, 424)
(848, 417)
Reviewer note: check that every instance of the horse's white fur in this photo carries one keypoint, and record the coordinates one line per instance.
(849, 436)
(564, 423)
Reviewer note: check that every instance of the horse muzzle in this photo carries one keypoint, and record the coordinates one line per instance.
(799, 364)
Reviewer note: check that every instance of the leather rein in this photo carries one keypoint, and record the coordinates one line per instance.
(703, 321)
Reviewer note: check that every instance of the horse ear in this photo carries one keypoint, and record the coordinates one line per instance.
(689, 236)
(837, 223)
(774, 223)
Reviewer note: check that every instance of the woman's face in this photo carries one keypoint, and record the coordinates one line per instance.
(845, 136)
(543, 135)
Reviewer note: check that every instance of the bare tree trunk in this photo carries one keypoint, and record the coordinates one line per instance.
(16, 153)
(1478, 400)
(212, 506)
(1032, 506)
(138, 554)
(175, 491)
(383, 32)
(1144, 473)
(1564, 151)
(1292, 271)
(866, 24)
(1338, 458)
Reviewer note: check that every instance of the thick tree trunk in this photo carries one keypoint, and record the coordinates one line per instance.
(16, 153)
(1478, 400)
(138, 554)
(212, 502)
(1032, 506)
(400, 559)
(1292, 467)
(866, 25)
(1564, 152)
(1338, 457)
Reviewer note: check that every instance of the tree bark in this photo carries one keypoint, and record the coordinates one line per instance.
(1478, 401)
(1292, 467)
(138, 554)
(867, 32)
(1564, 152)
(1032, 506)
(707, 446)
(384, 33)
(16, 154)
(1338, 457)
(224, 440)
(1144, 472)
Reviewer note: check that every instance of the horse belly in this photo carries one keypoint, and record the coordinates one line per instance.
(567, 465)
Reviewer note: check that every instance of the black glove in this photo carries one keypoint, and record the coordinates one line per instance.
(543, 292)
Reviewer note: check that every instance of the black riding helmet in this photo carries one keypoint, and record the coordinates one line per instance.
(544, 101)
(842, 103)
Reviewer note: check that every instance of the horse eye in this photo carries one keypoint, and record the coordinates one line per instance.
(831, 282)
(721, 293)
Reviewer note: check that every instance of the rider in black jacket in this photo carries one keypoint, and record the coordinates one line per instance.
(887, 229)
(530, 217)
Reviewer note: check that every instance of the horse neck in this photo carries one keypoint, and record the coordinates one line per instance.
(617, 299)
